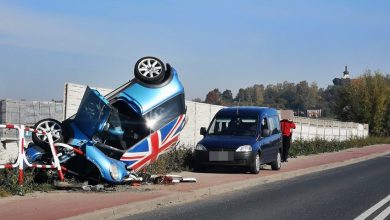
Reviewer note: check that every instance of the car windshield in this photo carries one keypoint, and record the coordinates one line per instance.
(124, 127)
(235, 125)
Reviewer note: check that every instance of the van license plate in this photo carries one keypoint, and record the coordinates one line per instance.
(220, 156)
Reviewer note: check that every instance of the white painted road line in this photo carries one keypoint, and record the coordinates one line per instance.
(383, 214)
(371, 210)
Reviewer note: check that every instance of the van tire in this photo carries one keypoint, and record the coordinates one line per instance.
(277, 164)
(255, 164)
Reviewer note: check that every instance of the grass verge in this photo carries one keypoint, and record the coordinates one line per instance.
(32, 181)
(176, 160)
(316, 146)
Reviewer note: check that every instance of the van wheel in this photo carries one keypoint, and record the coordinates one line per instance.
(255, 165)
(277, 164)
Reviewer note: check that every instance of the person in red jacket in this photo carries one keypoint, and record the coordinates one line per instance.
(286, 126)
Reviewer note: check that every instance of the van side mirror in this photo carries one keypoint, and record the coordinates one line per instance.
(203, 131)
(265, 133)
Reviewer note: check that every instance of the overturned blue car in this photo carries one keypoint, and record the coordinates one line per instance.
(118, 134)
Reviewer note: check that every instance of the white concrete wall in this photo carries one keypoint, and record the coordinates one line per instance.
(308, 128)
(9, 153)
(200, 114)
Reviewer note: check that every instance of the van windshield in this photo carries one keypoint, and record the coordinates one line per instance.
(235, 125)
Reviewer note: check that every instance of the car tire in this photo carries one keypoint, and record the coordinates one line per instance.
(48, 125)
(277, 164)
(149, 70)
(255, 164)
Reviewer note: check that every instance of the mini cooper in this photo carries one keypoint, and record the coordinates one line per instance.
(121, 132)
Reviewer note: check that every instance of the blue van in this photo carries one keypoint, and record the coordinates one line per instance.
(241, 136)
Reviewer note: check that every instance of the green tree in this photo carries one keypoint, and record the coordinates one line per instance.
(366, 100)
(214, 97)
(227, 97)
(253, 95)
(258, 94)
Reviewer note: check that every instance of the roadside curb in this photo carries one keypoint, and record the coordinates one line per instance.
(176, 198)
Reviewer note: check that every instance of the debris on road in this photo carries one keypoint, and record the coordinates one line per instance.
(170, 179)
(137, 181)
(68, 185)
(188, 180)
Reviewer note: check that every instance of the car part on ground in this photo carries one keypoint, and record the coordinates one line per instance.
(169, 179)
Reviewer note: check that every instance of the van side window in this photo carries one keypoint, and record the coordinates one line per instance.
(271, 125)
(277, 125)
(264, 124)
(274, 125)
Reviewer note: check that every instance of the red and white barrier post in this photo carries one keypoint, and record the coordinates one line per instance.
(22, 159)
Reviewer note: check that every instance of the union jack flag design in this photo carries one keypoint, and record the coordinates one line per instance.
(149, 149)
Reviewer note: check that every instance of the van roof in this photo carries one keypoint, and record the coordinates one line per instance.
(248, 111)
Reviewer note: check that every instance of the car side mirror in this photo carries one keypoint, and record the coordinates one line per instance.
(203, 131)
(265, 133)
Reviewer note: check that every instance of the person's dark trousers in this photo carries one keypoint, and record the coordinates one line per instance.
(286, 147)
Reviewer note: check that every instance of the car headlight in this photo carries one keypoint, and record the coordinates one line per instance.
(244, 148)
(114, 172)
(200, 147)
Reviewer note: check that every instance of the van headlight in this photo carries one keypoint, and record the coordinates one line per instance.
(114, 172)
(244, 148)
(200, 147)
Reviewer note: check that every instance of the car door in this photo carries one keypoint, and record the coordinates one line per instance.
(275, 138)
(265, 141)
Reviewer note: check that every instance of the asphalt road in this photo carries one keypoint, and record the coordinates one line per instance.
(341, 193)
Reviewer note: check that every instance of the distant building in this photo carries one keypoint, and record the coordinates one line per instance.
(345, 80)
(300, 113)
(314, 113)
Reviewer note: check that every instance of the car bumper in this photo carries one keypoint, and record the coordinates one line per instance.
(234, 158)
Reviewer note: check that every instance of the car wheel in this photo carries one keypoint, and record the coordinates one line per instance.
(149, 70)
(256, 165)
(51, 126)
(277, 164)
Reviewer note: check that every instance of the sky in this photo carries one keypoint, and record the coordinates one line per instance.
(222, 44)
